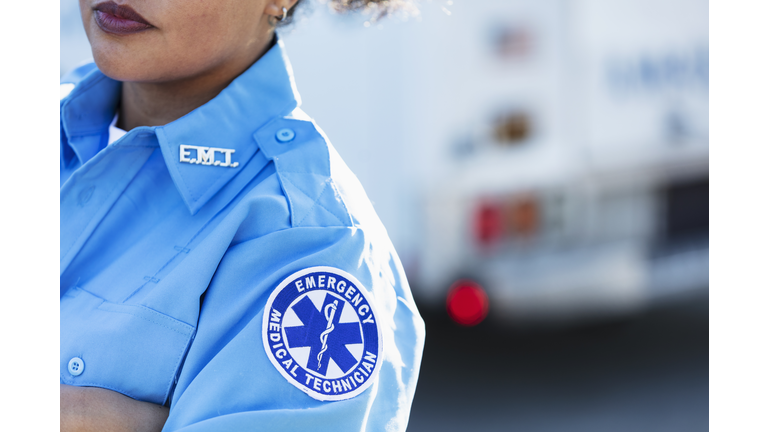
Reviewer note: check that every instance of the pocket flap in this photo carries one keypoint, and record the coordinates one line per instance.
(130, 349)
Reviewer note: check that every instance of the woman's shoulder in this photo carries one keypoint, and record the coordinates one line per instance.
(319, 187)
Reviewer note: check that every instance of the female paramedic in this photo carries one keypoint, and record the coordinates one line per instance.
(221, 267)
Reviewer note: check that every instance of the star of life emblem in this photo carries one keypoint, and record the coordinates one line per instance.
(321, 332)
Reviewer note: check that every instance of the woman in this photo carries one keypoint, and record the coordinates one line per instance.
(221, 268)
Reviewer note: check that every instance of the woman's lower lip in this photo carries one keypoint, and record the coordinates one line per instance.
(120, 26)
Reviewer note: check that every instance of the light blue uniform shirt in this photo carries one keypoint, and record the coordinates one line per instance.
(167, 264)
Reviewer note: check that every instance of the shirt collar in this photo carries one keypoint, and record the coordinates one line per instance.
(264, 91)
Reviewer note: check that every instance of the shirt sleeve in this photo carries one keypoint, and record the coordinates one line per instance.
(228, 382)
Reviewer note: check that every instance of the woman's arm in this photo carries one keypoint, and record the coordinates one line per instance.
(228, 381)
(96, 409)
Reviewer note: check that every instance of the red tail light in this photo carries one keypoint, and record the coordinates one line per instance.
(489, 223)
(516, 217)
(467, 303)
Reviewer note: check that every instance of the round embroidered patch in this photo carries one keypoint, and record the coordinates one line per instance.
(321, 332)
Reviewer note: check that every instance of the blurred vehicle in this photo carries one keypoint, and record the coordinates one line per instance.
(579, 186)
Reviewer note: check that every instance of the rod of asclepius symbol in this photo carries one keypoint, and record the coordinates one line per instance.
(329, 312)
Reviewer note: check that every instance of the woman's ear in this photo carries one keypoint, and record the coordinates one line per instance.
(275, 8)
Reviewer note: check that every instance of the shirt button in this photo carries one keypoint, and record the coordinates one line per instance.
(76, 366)
(285, 135)
(85, 195)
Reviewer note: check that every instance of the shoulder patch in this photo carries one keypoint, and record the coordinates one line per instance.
(321, 332)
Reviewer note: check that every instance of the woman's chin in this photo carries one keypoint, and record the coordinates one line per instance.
(118, 71)
(125, 67)
(124, 61)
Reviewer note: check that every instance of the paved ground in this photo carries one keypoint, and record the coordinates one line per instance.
(647, 373)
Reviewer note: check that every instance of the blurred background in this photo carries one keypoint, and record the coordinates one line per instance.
(542, 169)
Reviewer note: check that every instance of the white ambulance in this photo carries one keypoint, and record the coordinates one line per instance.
(579, 185)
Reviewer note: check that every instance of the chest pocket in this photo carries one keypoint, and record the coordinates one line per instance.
(130, 349)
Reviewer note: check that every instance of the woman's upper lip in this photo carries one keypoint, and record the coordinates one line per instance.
(121, 11)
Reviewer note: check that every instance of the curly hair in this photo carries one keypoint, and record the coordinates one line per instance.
(377, 9)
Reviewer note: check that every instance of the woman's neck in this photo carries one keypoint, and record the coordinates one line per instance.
(157, 104)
